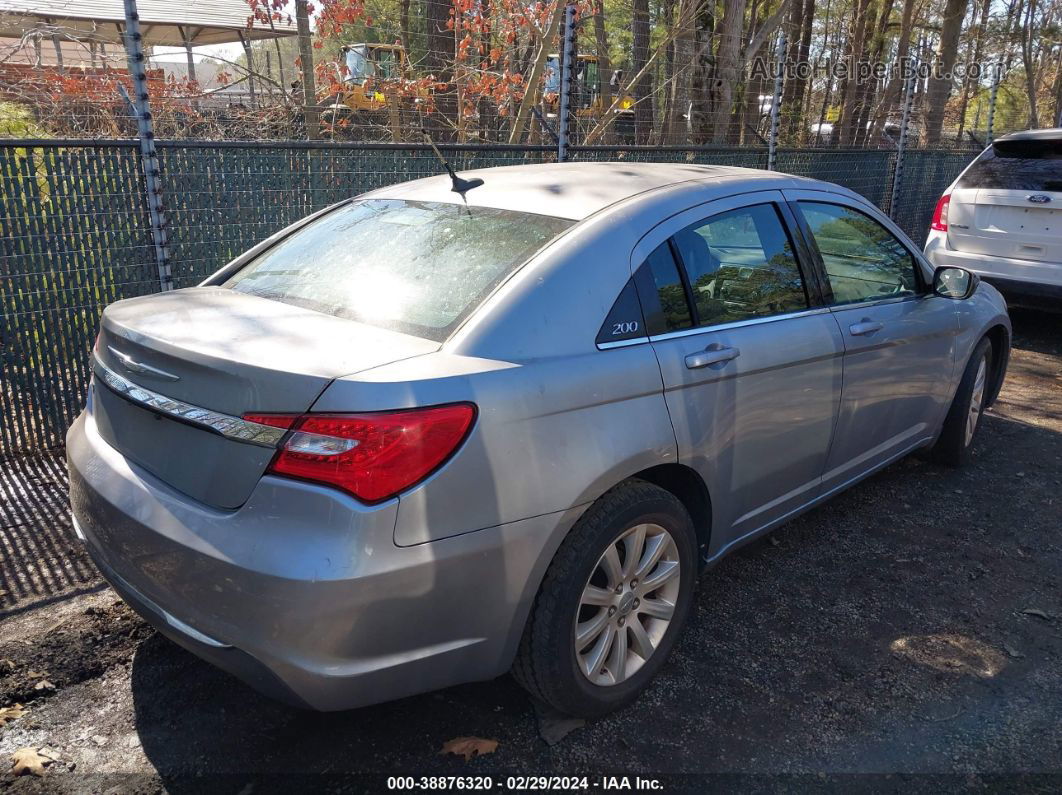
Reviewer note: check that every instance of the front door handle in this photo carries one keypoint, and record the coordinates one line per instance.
(865, 326)
(695, 361)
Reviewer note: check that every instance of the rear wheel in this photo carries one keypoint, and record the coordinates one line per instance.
(612, 603)
(964, 416)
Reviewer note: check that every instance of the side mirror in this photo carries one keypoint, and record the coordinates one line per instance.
(957, 283)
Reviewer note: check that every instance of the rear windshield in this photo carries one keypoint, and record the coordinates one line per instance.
(415, 267)
(1017, 165)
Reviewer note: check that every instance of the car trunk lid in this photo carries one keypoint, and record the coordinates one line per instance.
(228, 353)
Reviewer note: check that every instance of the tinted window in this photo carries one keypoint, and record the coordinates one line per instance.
(417, 267)
(1017, 165)
(864, 261)
(662, 294)
(741, 265)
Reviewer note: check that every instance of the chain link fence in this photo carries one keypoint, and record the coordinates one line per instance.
(75, 232)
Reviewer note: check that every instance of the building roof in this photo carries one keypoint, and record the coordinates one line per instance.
(577, 190)
(161, 21)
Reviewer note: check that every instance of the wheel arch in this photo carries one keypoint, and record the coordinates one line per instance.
(691, 490)
(999, 336)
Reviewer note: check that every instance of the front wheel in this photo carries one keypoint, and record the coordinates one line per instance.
(612, 603)
(964, 416)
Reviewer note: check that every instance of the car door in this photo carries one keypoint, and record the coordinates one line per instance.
(898, 336)
(751, 363)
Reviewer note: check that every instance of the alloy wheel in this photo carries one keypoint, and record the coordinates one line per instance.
(627, 604)
(976, 400)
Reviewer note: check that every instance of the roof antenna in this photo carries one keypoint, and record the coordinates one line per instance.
(459, 185)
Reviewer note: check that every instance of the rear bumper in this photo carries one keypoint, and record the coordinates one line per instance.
(1023, 282)
(302, 592)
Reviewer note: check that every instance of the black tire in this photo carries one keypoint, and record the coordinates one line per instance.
(546, 664)
(953, 446)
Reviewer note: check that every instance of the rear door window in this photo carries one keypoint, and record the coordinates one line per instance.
(741, 265)
(415, 267)
(1017, 165)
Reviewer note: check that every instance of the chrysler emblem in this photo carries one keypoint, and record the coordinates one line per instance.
(1039, 198)
(133, 366)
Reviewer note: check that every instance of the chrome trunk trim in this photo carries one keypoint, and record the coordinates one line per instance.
(235, 428)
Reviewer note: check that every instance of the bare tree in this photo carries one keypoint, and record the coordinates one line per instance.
(309, 90)
(941, 83)
(643, 108)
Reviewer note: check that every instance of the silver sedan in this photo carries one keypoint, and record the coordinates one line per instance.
(445, 430)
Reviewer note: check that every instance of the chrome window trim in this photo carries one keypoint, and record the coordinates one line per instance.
(895, 299)
(235, 428)
(752, 321)
(604, 346)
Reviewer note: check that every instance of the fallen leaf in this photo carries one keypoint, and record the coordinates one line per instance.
(44, 684)
(469, 747)
(1035, 611)
(27, 760)
(10, 713)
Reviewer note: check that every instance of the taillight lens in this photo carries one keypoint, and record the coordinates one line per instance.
(372, 456)
(940, 214)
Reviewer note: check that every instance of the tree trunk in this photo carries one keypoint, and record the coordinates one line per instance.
(975, 58)
(438, 61)
(728, 67)
(750, 99)
(683, 71)
(894, 86)
(311, 115)
(845, 130)
(939, 85)
(531, 86)
(703, 73)
(403, 25)
(643, 108)
(1029, 62)
(604, 60)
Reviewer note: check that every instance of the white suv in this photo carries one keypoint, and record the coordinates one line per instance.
(1002, 219)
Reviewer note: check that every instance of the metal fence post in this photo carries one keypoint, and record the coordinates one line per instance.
(134, 49)
(905, 122)
(776, 102)
(996, 71)
(567, 58)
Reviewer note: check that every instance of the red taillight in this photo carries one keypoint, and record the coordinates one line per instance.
(372, 456)
(940, 214)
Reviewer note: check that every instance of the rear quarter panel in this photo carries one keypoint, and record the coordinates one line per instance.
(551, 434)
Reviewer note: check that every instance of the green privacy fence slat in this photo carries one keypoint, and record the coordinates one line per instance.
(74, 232)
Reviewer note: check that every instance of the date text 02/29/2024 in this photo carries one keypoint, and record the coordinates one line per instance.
(525, 783)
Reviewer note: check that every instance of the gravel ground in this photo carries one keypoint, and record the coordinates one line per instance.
(910, 627)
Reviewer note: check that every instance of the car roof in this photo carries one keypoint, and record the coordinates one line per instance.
(578, 190)
(1046, 134)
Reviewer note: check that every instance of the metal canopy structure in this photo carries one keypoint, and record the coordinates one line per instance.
(162, 22)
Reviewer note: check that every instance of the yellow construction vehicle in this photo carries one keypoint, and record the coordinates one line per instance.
(364, 98)
(587, 101)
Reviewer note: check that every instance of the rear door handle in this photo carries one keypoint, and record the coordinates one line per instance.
(864, 327)
(695, 361)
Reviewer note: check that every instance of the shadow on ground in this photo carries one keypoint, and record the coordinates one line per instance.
(40, 557)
